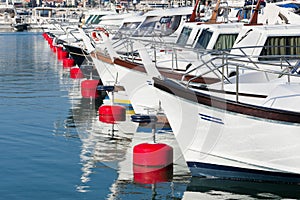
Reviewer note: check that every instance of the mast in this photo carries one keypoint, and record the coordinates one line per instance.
(253, 20)
(193, 16)
(213, 18)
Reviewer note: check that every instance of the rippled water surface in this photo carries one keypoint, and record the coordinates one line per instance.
(43, 154)
(54, 147)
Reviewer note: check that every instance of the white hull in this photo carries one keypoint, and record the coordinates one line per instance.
(142, 95)
(109, 77)
(215, 138)
(106, 71)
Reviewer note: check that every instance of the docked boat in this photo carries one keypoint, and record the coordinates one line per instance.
(106, 69)
(114, 66)
(129, 66)
(117, 52)
(9, 18)
(47, 18)
(210, 121)
(169, 65)
(77, 49)
(165, 23)
(242, 128)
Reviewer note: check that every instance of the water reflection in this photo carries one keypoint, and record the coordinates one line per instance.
(203, 188)
(100, 150)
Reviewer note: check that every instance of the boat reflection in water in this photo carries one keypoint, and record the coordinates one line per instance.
(210, 188)
(159, 183)
(100, 150)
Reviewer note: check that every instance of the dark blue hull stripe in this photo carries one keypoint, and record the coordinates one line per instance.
(210, 118)
(221, 171)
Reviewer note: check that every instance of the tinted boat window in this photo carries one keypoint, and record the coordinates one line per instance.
(277, 47)
(203, 39)
(147, 26)
(43, 13)
(184, 35)
(126, 30)
(162, 26)
(225, 41)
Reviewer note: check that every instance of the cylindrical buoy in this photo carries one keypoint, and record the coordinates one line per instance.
(45, 35)
(50, 41)
(75, 73)
(112, 113)
(62, 54)
(58, 48)
(150, 175)
(152, 154)
(89, 88)
(68, 62)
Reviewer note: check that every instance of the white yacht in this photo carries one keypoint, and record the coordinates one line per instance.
(8, 16)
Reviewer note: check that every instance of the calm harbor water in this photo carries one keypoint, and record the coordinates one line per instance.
(53, 146)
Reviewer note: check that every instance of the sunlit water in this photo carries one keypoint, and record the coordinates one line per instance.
(54, 147)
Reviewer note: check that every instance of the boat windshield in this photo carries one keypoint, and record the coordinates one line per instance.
(158, 25)
(203, 39)
(184, 35)
(126, 29)
(44, 12)
(9, 11)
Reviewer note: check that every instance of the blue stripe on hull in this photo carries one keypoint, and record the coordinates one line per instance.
(158, 129)
(228, 172)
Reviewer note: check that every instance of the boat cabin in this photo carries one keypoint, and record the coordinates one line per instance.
(128, 26)
(163, 22)
(268, 42)
(209, 36)
(7, 13)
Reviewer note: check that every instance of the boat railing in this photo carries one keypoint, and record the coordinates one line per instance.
(126, 42)
(286, 72)
(241, 55)
(212, 65)
(243, 64)
(71, 32)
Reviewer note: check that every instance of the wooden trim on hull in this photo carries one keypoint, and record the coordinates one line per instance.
(204, 88)
(165, 72)
(102, 57)
(227, 105)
